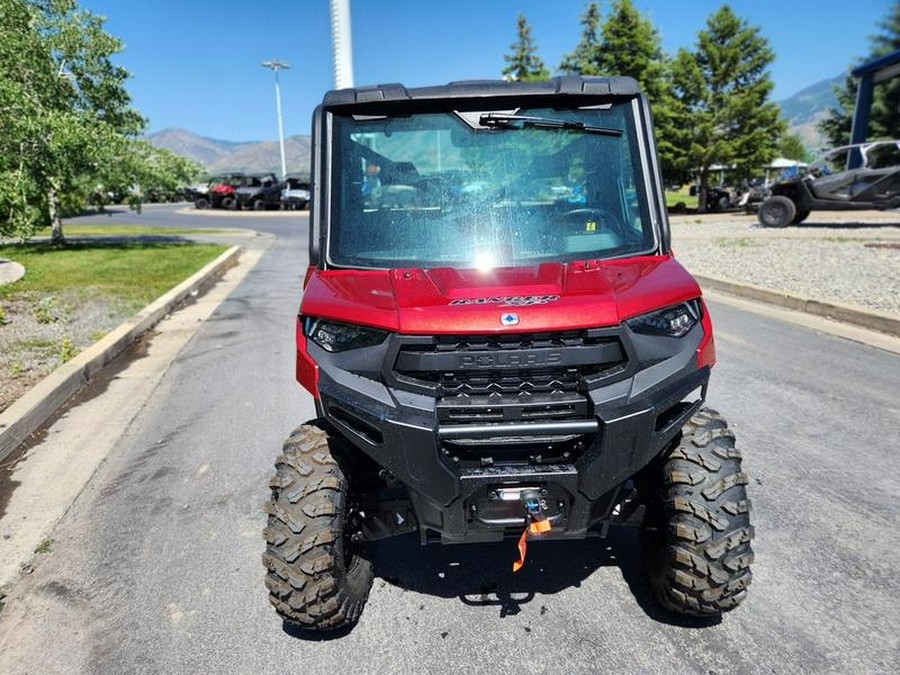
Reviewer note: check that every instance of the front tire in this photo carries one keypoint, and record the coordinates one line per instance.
(777, 211)
(697, 531)
(316, 577)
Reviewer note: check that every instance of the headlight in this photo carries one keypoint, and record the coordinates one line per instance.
(334, 336)
(674, 321)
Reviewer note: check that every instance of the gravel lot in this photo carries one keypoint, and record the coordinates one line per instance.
(852, 259)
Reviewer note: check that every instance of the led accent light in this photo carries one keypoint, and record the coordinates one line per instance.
(674, 321)
(334, 336)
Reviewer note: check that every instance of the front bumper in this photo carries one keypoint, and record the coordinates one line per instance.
(631, 416)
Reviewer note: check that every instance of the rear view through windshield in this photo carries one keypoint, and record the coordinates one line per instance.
(488, 188)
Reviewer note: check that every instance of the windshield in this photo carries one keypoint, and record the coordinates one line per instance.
(482, 189)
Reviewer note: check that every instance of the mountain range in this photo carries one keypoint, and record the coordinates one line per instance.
(221, 156)
(803, 111)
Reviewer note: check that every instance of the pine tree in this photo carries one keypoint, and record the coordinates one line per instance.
(884, 121)
(631, 46)
(524, 63)
(790, 146)
(836, 126)
(585, 59)
(627, 43)
(722, 99)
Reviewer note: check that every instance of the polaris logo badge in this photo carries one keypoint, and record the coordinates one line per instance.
(509, 319)
(511, 360)
(507, 300)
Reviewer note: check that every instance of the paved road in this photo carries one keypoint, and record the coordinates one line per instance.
(156, 569)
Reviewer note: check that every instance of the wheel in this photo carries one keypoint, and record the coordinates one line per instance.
(259, 205)
(229, 203)
(802, 214)
(201, 203)
(697, 531)
(723, 203)
(303, 206)
(777, 211)
(316, 575)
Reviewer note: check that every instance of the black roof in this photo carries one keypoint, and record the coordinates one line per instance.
(567, 85)
(875, 65)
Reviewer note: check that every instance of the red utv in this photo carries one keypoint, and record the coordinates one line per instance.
(220, 194)
(511, 352)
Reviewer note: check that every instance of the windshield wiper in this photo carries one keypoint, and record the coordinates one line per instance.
(494, 119)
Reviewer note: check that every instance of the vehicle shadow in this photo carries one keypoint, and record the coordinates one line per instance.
(812, 224)
(480, 575)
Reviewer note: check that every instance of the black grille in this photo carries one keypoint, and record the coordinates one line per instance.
(510, 377)
(508, 341)
(520, 384)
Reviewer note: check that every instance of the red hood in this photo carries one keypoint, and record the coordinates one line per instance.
(551, 296)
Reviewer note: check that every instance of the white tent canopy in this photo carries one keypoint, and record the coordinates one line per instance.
(782, 163)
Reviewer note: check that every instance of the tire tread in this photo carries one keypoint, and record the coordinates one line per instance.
(305, 569)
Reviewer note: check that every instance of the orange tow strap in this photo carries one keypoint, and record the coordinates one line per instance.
(537, 528)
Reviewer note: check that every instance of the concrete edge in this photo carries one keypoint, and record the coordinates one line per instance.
(192, 211)
(878, 321)
(39, 403)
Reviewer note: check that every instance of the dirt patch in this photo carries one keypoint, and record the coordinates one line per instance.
(40, 332)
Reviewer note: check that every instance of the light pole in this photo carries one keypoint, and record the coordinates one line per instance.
(277, 65)
(341, 43)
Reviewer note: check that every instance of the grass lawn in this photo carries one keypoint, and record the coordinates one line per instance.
(115, 230)
(682, 195)
(132, 272)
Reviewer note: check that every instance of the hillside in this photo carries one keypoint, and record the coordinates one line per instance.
(217, 155)
(807, 107)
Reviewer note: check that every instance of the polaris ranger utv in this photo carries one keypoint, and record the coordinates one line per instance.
(511, 352)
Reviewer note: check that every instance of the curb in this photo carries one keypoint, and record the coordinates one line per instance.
(26, 415)
(879, 321)
(212, 213)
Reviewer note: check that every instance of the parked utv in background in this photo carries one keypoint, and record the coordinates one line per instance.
(295, 194)
(514, 353)
(829, 186)
(717, 198)
(259, 191)
(220, 194)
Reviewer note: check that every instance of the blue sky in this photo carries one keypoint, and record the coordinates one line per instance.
(195, 63)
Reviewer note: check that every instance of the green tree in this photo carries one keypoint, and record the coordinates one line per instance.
(586, 58)
(838, 121)
(884, 120)
(632, 46)
(524, 65)
(64, 108)
(722, 106)
(137, 171)
(790, 146)
(627, 43)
